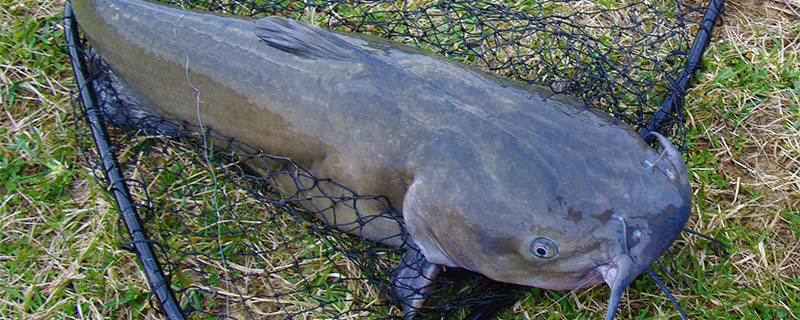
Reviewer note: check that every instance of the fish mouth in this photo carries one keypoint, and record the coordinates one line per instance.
(618, 274)
(625, 265)
(620, 271)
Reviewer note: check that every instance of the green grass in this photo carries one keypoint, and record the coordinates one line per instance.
(61, 256)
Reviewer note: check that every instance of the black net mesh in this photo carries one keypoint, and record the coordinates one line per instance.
(620, 56)
(231, 246)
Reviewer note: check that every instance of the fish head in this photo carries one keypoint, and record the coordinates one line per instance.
(609, 236)
(643, 236)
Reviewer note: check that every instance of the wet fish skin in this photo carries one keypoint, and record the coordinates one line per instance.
(482, 166)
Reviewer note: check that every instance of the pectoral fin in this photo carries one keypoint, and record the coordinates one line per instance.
(412, 280)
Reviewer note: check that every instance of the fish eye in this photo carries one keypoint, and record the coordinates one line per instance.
(544, 248)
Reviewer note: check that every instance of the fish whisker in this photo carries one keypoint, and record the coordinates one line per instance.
(669, 295)
(720, 243)
(650, 164)
(580, 285)
(624, 235)
(669, 276)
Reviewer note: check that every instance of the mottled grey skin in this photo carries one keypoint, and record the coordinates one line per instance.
(480, 164)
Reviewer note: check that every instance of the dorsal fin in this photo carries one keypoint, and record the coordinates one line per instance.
(303, 39)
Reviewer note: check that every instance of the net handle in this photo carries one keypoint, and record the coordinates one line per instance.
(673, 102)
(143, 247)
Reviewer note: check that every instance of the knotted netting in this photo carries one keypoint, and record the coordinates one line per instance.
(216, 239)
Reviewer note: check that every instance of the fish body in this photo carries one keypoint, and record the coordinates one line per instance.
(507, 179)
